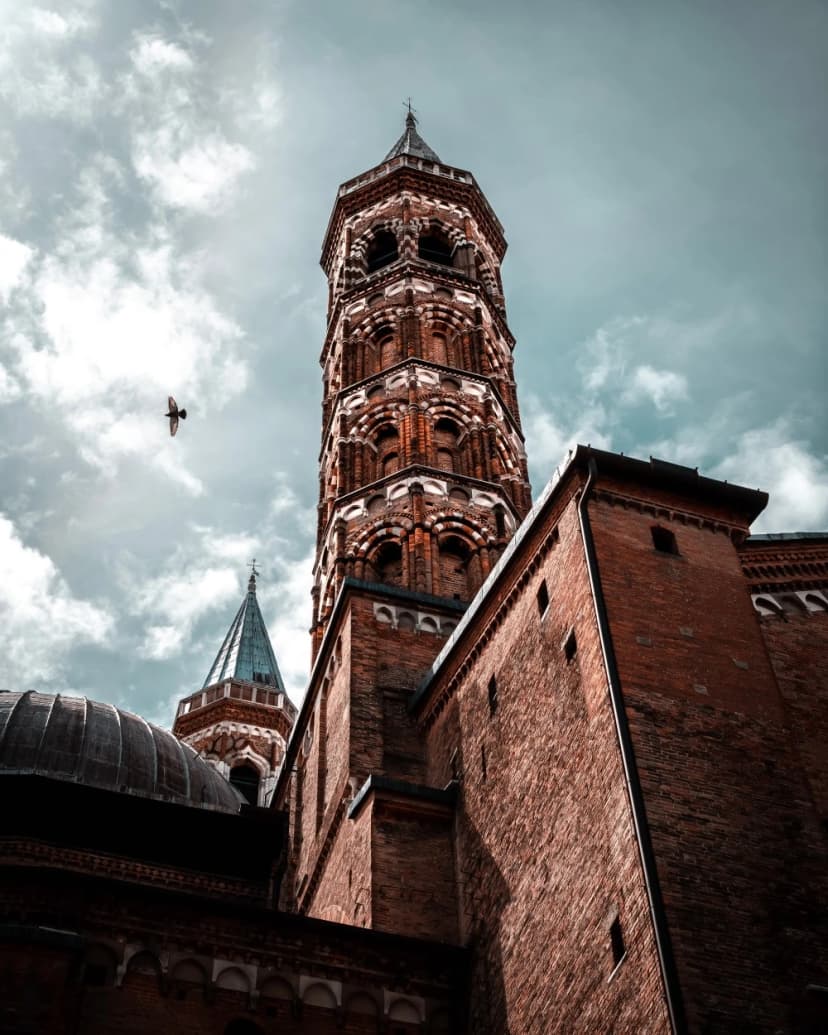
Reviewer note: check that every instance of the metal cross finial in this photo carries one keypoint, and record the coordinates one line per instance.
(252, 566)
(411, 117)
(251, 582)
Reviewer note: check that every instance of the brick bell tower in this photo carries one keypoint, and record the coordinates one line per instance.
(422, 482)
(422, 475)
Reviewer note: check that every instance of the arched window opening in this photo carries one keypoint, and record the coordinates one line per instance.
(246, 780)
(439, 349)
(387, 442)
(445, 460)
(446, 436)
(376, 504)
(388, 564)
(388, 352)
(454, 568)
(382, 251)
(435, 247)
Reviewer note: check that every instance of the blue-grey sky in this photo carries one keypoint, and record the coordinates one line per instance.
(166, 174)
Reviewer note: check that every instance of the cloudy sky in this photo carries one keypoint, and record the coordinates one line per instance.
(166, 175)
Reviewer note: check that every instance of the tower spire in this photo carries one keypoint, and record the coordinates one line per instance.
(411, 143)
(241, 717)
(246, 652)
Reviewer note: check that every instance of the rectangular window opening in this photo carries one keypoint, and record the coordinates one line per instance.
(543, 598)
(483, 768)
(492, 695)
(570, 646)
(664, 540)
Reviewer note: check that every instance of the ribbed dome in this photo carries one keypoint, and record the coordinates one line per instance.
(72, 738)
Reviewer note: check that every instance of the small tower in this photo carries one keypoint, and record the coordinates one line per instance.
(241, 717)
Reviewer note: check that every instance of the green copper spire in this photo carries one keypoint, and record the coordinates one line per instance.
(246, 652)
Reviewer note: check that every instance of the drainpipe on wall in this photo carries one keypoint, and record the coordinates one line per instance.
(664, 947)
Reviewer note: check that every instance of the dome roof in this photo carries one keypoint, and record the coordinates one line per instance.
(72, 738)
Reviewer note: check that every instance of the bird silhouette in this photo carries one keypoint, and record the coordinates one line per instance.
(174, 414)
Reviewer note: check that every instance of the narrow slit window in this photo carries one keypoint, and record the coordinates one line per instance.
(570, 646)
(492, 695)
(543, 598)
(664, 540)
(619, 949)
(483, 768)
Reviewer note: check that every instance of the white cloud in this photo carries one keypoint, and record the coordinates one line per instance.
(175, 601)
(202, 583)
(52, 23)
(152, 54)
(203, 574)
(40, 619)
(550, 436)
(773, 459)
(177, 150)
(661, 387)
(108, 324)
(14, 257)
(188, 168)
(42, 70)
(9, 386)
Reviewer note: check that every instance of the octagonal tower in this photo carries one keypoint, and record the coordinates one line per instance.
(422, 470)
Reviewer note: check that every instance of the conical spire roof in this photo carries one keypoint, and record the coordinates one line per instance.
(246, 652)
(411, 143)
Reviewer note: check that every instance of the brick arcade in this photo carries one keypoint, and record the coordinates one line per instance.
(560, 767)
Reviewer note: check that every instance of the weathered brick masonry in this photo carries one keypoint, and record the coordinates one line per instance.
(559, 769)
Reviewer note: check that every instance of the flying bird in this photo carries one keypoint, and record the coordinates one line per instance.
(174, 413)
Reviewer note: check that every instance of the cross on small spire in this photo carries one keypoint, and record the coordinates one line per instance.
(251, 582)
(411, 117)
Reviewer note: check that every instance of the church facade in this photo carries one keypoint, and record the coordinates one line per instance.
(560, 766)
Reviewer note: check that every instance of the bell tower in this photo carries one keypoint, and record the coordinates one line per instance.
(422, 482)
(422, 474)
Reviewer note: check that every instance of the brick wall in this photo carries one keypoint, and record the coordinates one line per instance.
(546, 855)
(738, 845)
